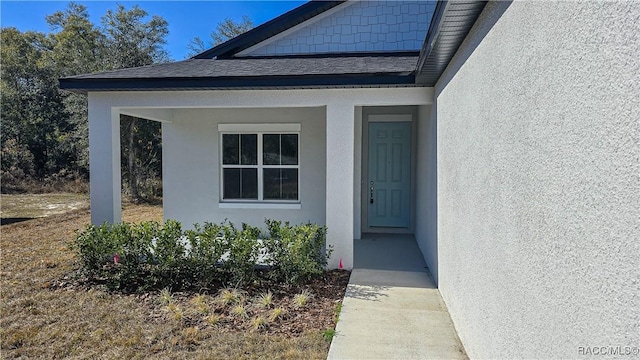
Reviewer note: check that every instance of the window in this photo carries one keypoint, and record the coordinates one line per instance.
(261, 165)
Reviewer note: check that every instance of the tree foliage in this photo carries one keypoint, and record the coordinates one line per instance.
(44, 129)
(32, 110)
(132, 42)
(226, 30)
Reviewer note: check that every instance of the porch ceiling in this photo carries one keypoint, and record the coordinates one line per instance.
(155, 114)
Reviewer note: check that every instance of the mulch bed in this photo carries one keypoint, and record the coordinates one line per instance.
(197, 309)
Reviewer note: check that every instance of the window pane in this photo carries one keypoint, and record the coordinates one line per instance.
(231, 178)
(249, 184)
(280, 184)
(240, 184)
(230, 149)
(289, 184)
(289, 144)
(249, 149)
(271, 149)
(271, 184)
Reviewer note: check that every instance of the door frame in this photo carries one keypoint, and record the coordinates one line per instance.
(386, 114)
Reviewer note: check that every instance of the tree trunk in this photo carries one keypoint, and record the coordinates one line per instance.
(133, 177)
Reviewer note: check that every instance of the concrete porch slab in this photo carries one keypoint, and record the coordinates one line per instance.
(392, 309)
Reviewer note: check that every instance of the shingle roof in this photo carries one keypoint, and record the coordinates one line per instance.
(292, 66)
(218, 69)
(371, 69)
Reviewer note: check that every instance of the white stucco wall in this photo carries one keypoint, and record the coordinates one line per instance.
(191, 158)
(336, 107)
(539, 180)
(426, 228)
(357, 174)
(356, 26)
(104, 167)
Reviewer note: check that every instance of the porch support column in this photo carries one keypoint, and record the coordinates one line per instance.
(104, 161)
(340, 175)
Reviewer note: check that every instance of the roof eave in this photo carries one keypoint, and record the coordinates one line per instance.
(261, 82)
(441, 43)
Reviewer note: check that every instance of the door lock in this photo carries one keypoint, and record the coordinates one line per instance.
(371, 188)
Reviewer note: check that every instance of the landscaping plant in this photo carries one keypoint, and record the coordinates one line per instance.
(148, 255)
(296, 253)
(50, 312)
(243, 250)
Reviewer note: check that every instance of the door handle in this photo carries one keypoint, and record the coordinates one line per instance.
(371, 192)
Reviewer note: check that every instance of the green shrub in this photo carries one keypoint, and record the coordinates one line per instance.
(244, 250)
(169, 256)
(207, 246)
(134, 257)
(135, 251)
(109, 252)
(96, 246)
(296, 253)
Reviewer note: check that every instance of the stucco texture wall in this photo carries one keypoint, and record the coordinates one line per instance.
(426, 229)
(539, 180)
(191, 165)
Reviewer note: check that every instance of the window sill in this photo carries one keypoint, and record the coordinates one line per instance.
(248, 205)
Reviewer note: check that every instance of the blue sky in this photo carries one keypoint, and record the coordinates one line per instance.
(187, 19)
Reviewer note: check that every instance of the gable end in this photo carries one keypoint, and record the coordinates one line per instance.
(268, 29)
(354, 26)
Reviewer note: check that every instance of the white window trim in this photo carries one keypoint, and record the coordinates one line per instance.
(258, 205)
(256, 128)
(391, 118)
(259, 130)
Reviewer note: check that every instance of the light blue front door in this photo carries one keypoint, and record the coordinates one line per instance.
(389, 185)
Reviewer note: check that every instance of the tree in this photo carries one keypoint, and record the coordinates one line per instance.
(225, 30)
(32, 108)
(131, 42)
(78, 47)
(44, 129)
(47, 125)
(18, 63)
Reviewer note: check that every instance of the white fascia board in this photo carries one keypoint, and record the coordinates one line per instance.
(265, 98)
(249, 50)
(259, 127)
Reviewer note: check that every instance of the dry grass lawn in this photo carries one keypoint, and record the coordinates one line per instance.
(38, 320)
(21, 206)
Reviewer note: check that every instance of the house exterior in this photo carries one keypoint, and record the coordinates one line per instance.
(504, 136)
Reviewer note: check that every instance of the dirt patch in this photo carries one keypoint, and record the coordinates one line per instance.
(29, 206)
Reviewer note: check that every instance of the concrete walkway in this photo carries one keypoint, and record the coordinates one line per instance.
(392, 309)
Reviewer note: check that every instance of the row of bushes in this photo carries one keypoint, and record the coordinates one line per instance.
(148, 255)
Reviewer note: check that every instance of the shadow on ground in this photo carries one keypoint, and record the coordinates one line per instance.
(372, 293)
(8, 221)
